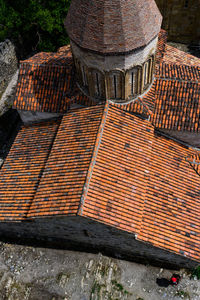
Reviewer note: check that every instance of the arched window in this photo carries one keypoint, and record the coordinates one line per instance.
(148, 69)
(84, 77)
(146, 74)
(96, 83)
(115, 81)
(134, 81)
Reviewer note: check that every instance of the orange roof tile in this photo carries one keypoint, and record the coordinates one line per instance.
(61, 186)
(177, 105)
(116, 190)
(108, 165)
(45, 83)
(22, 169)
(171, 215)
(141, 182)
(173, 55)
(178, 72)
(162, 40)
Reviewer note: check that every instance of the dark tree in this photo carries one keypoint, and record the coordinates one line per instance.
(34, 25)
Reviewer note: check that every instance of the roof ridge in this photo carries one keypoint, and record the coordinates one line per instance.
(179, 80)
(42, 170)
(92, 162)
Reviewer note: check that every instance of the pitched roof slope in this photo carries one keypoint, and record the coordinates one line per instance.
(171, 216)
(61, 186)
(45, 83)
(117, 187)
(22, 169)
(141, 182)
(177, 98)
(113, 26)
(173, 55)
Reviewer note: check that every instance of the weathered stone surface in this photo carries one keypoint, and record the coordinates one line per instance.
(181, 19)
(8, 64)
(84, 234)
(28, 273)
(8, 95)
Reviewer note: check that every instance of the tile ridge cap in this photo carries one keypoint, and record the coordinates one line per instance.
(42, 170)
(93, 159)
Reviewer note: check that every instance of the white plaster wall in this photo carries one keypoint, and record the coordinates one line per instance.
(108, 63)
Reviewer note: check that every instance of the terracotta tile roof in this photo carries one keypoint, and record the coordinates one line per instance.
(116, 190)
(22, 169)
(108, 165)
(136, 107)
(177, 105)
(143, 184)
(173, 55)
(171, 215)
(61, 186)
(45, 83)
(113, 26)
(178, 72)
(162, 40)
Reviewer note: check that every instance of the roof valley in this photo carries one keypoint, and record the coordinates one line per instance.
(92, 163)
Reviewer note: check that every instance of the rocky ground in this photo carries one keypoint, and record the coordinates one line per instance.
(28, 273)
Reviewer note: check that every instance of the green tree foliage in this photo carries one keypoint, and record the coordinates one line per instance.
(34, 25)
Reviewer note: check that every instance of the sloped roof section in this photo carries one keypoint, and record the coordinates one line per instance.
(173, 55)
(119, 177)
(171, 215)
(22, 169)
(179, 72)
(45, 83)
(109, 165)
(113, 26)
(161, 45)
(142, 183)
(177, 104)
(61, 186)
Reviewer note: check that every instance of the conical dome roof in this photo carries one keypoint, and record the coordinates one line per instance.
(113, 26)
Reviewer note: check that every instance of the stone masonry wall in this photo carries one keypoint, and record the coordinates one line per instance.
(181, 19)
(84, 234)
(8, 64)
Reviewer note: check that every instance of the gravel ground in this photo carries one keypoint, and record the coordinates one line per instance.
(28, 273)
